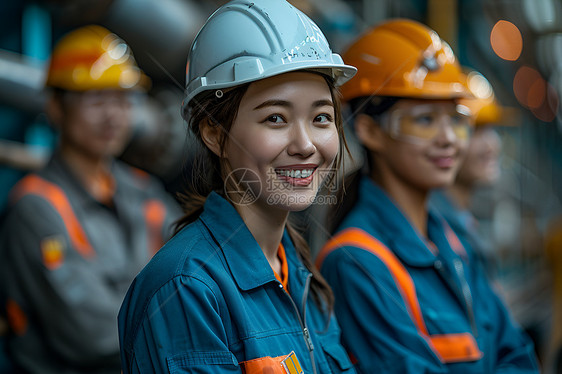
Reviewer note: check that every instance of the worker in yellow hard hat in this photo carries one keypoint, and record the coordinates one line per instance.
(78, 230)
(407, 296)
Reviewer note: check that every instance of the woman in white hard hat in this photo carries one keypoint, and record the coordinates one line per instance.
(235, 290)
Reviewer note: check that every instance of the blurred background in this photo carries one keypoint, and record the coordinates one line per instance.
(515, 44)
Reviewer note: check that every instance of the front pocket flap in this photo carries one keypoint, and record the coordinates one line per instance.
(179, 362)
(338, 354)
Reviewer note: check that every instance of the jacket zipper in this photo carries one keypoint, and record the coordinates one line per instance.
(459, 269)
(305, 332)
(464, 291)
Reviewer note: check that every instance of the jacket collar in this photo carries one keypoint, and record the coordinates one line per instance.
(401, 237)
(246, 261)
(59, 170)
(461, 220)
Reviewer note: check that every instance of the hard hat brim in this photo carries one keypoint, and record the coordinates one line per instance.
(338, 71)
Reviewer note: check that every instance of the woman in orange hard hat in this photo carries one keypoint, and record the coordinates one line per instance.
(408, 297)
(479, 168)
(80, 229)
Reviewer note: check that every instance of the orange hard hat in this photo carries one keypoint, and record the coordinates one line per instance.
(93, 58)
(483, 105)
(403, 58)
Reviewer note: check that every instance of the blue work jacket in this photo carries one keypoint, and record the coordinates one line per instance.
(465, 225)
(209, 302)
(451, 290)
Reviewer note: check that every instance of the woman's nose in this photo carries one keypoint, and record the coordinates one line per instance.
(301, 143)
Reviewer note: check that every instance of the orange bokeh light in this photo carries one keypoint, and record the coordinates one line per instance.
(529, 87)
(549, 108)
(506, 40)
(534, 93)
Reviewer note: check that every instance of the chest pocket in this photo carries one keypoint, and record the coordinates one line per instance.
(337, 357)
(449, 348)
(194, 362)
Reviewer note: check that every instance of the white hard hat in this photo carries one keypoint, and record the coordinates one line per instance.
(244, 41)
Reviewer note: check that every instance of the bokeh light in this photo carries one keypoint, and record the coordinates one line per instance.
(548, 109)
(529, 87)
(506, 40)
(534, 93)
(479, 85)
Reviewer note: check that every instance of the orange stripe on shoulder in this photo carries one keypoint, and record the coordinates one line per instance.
(35, 185)
(140, 174)
(448, 348)
(155, 215)
(354, 237)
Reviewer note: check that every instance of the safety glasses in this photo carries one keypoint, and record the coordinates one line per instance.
(423, 123)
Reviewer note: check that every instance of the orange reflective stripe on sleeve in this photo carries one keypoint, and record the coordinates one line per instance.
(154, 214)
(456, 347)
(447, 347)
(354, 237)
(35, 185)
(288, 364)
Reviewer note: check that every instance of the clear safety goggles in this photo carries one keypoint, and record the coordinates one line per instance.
(423, 123)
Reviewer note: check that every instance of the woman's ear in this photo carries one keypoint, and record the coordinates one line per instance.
(369, 132)
(211, 136)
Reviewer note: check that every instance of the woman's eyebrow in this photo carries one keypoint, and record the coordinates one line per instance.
(320, 103)
(287, 104)
(274, 103)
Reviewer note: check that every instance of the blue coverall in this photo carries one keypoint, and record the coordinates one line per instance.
(465, 226)
(209, 302)
(453, 295)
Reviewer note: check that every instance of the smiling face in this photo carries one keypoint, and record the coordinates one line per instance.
(481, 165)
(428, 162)
(285, 135)
(95, 123)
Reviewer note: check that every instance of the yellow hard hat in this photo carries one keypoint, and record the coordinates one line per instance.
(483, 105)
(403, 58)
(93, 58)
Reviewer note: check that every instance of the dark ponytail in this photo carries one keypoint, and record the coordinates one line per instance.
(215, 110)
(348, 194)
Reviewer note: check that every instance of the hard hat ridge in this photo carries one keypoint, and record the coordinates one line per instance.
(244, 41)
(403, 58)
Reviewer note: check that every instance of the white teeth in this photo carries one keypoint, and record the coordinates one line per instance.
(300, 173)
